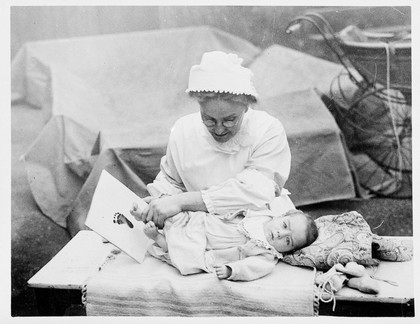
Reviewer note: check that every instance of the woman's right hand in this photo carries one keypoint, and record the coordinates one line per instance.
(157, 210)
(161, 209)
(138, 215)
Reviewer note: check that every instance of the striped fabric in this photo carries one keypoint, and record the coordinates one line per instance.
(153, 288)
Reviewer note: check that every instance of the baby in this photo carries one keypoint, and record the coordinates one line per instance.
(244, 245)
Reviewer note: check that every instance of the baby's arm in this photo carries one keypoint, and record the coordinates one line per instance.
(250, 268)
(152, 232)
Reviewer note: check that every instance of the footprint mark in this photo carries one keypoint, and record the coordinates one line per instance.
(121, 219)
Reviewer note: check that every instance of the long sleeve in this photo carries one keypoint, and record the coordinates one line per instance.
(251, 268)
(261, 180)
(247, 172)
(168, 181)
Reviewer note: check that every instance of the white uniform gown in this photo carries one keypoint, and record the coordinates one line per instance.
(247, 172)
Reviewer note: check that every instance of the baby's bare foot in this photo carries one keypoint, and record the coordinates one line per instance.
(151, 230)
(135, 211)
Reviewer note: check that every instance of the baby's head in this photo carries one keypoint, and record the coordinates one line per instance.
(291, 231)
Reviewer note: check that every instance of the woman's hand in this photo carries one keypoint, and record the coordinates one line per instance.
(161, 209)
(135, 208)
(222, 271)
(158, 210)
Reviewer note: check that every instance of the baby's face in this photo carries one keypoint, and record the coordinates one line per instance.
(286, 233)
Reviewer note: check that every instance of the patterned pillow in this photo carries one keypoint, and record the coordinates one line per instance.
(342, 238)
(392, 248)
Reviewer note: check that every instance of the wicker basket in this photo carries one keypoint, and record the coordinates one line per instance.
(370, 60)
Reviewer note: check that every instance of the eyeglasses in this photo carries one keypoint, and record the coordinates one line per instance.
(228, 123)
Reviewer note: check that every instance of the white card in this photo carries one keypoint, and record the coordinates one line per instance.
(109, 216)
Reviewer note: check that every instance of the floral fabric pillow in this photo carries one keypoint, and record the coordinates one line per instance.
(392, 248)
(342, 238)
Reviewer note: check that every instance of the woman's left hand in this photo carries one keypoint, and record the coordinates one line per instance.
(161, 209)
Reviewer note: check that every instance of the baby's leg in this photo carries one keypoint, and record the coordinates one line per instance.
(152, 232)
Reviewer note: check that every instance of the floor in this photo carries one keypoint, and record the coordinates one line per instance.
(36, 239)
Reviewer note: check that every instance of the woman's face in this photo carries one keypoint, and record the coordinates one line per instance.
(222, 118)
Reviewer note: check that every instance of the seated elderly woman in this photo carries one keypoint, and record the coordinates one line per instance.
(225, 157)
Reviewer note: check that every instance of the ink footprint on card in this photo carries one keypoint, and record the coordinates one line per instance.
(121, 219)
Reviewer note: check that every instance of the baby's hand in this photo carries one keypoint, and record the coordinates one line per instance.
(222, 271)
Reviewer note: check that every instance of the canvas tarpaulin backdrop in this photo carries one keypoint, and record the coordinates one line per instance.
(110, 101)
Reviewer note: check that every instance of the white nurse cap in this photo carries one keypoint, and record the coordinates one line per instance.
(221, 72)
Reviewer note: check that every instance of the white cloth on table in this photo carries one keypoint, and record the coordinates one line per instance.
(124, 287)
